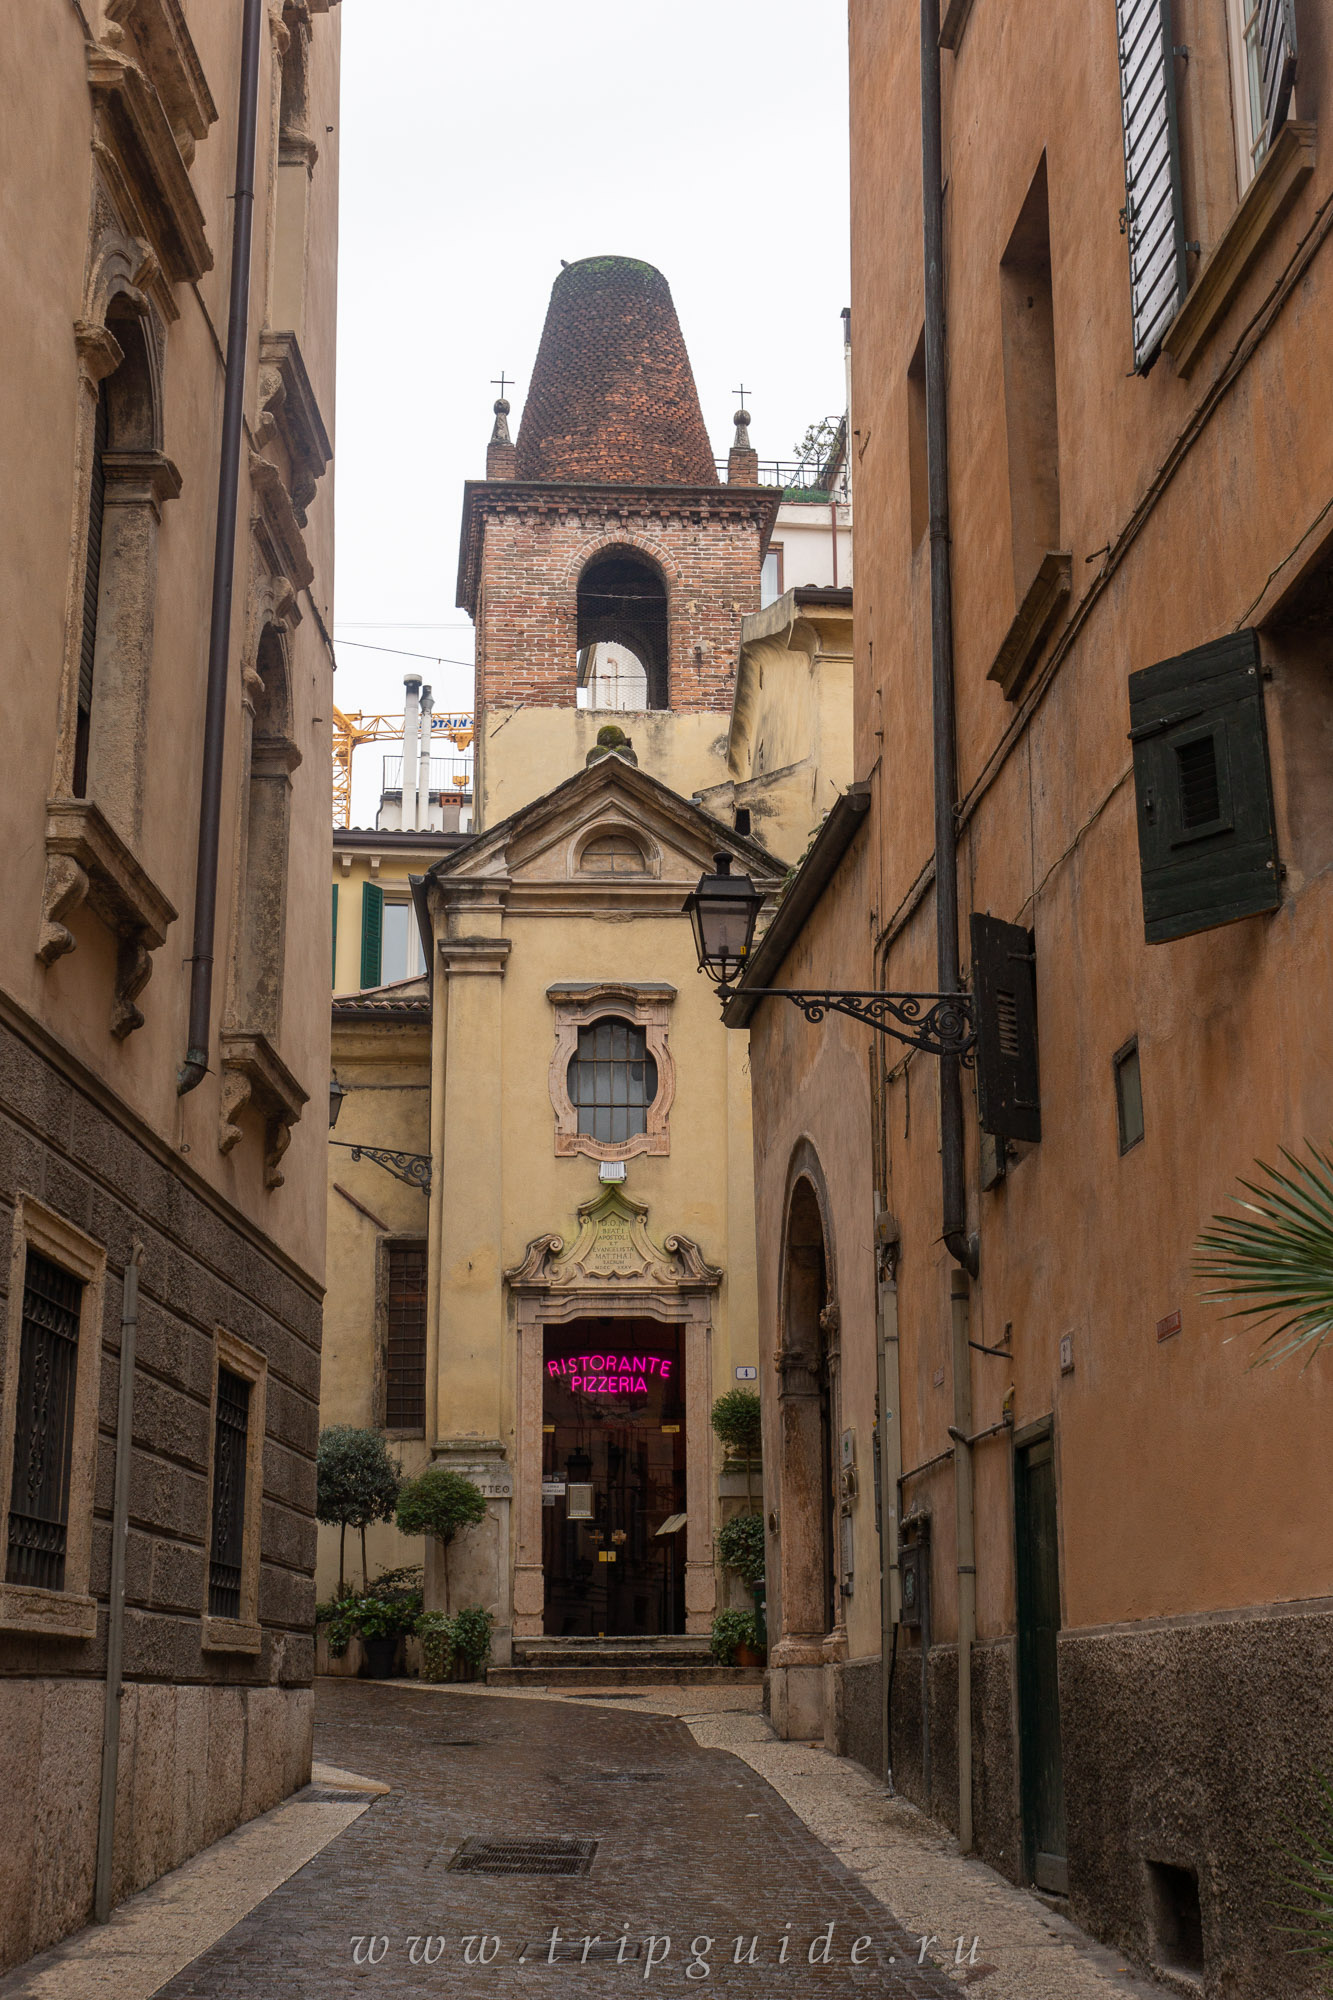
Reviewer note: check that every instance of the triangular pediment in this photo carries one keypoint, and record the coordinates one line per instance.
(542, 844)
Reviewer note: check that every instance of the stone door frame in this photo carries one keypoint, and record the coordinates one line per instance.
(686, 1306)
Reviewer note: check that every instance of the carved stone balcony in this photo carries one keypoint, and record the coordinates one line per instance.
(254, 1075)
(88, 862)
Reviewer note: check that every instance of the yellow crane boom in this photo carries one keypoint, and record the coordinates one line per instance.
(349, 731)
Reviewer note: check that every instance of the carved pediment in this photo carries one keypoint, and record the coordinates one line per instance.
(141, 154)
(613, 1249)
(166, 50)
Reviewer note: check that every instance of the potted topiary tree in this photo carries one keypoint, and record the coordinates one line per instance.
(440, 1503)
(356, 1484)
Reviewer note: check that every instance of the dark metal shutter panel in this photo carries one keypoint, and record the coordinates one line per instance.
(405, 1360)
(1277, 58)
(1004, 995)
(43, 1425)
(1203, 790)
(333, 969)
(1154, 217)
(372, 933)
(230, 1466)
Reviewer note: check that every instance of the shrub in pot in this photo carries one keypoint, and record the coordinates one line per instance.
(737, 1640)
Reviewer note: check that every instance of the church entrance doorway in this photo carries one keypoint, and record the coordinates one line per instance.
(613, 1478)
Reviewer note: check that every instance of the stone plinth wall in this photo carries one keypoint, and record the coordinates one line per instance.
(209, 1737)
(194, 1763)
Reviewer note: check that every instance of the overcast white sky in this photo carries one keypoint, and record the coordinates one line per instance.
(479, 146)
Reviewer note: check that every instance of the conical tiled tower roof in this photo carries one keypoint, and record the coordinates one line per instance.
(612, 400)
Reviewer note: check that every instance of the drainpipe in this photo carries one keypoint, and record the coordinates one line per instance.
(961, 1247)
(115, 1620)
(965, 1508)
(890, 1471)
(195, 1067)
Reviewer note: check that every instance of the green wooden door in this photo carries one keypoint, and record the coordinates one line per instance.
(1038, 1577)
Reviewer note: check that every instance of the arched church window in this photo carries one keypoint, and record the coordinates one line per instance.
(612, 1080)
(613, 854)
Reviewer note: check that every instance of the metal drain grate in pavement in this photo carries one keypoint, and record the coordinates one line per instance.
(539, 1854)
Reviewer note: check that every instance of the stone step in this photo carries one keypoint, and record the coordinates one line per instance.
(639, 1675)
(610, 1654)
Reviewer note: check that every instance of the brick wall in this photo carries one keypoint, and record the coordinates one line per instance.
(523, 554)
(612, 395)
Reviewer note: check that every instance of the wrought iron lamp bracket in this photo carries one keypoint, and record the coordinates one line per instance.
(938, 1024)
(414, 1168)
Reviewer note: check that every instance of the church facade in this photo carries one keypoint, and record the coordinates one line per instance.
(580, 1278)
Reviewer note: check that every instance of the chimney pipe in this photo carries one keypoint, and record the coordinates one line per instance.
(407, 817)
(423, 764)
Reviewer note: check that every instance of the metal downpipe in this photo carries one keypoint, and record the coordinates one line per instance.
(115, 1618)
(961, 1247)
(195, 1067)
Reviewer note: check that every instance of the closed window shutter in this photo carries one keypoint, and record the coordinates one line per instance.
(372, 933)
(333, 970)
(1004, 996)
(1207, 842)
(1154, 218)
(1277, 62)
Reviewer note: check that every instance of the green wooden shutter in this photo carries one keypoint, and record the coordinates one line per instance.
(1207, 841)
(1004, 993)
(333, 970)
(1153, 215)
(372, 933)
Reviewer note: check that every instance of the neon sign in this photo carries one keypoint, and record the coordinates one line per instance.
(611, 1374)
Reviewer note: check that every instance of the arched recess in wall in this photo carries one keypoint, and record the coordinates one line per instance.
(623, 606)
(129, 479)
(808, 1399)
(272, 756)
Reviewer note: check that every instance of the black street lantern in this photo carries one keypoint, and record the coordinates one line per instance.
(723, 910)
(414, 1168)
(337, 1092)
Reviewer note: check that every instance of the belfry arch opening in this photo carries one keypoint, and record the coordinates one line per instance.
(622, 633)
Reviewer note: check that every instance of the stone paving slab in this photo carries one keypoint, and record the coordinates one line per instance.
(693, 1850)
(154, 1935)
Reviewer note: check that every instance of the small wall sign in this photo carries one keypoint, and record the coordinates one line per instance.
(1168, 1327)
(747, 1374)
(1067, 1353)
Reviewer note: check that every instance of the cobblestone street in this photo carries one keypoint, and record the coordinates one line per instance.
(691, 1847)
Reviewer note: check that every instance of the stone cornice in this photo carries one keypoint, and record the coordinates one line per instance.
(88, 862)
(135, 134)
(292, 413)
(274, 512)
(253, 1073)
(163, 37)
(540, 498)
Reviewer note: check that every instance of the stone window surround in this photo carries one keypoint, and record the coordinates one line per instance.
(577, 1004)
(70, 1613)
(627, 830)
(243, 1634)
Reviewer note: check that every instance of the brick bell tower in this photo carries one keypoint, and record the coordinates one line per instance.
(606, 525)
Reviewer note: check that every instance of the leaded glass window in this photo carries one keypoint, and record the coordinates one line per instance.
(612, 1080)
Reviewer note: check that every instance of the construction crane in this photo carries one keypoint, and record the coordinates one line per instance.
(350, 731)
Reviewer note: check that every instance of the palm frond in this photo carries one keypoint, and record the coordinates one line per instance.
(1275, 1260)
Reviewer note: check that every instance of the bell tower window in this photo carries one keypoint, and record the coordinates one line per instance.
(622, 633)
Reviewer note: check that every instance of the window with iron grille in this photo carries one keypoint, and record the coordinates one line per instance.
(44, 1425)
(612, 1080)
(230, 1464)
(405, 1345)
